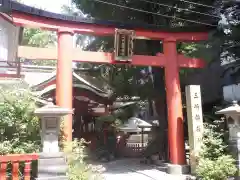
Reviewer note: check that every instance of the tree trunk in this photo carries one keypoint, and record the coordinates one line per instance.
(160, 101)
(161, 108)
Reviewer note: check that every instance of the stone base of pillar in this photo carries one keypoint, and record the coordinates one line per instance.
(178, 169)
(52, 166)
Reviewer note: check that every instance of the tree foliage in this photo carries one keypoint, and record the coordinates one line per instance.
(214, 162)
(129, 80)
(173, 9)
(78, 168)
(228, 34)
(19, 128)
(170, 12)
(38, 38)
(41, 39)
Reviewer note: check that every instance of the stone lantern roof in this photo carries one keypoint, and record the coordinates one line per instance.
(135, 124)
(233, 109)
(52, 110)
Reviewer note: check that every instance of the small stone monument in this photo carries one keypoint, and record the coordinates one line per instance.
(51, 163)
(232, 114)
(195, 123)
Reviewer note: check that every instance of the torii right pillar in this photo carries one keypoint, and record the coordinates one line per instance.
(174, 108)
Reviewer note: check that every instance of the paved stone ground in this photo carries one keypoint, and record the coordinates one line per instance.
(131, 169)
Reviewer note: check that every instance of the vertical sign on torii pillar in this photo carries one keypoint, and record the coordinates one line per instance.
(195, 122)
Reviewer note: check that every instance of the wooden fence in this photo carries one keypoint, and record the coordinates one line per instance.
(16, 166)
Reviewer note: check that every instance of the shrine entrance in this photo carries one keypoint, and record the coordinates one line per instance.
(66, 26)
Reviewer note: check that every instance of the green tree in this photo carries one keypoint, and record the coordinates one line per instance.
(38, 38)
(19, 128)
(228, 35)
(214, 163)
(223, 44)
(78, 168)
(47, 39)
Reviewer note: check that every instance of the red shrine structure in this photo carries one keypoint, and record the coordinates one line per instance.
(89, 102)
(66, 26)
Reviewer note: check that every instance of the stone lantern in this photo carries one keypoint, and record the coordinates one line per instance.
(51, 163)
(232, 114)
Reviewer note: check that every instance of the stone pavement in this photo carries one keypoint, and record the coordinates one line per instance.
(131, 169)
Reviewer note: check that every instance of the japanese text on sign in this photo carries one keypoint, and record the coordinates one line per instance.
(195, 120)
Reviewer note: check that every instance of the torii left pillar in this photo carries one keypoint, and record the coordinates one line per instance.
(64, 77)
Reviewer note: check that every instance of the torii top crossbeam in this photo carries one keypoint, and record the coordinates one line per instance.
(34, 17)
(23, 15)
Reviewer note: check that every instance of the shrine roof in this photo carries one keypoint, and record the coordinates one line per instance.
(18, 7)
(87, 81)
(97, 81)
(17, 84)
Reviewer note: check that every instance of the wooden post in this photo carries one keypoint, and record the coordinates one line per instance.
(195, 122)
(64, 77)
(174, 104)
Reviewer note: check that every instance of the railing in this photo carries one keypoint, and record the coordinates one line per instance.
(133, 149)
(14, 161)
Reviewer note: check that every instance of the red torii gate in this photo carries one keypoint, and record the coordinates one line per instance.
(66, 26)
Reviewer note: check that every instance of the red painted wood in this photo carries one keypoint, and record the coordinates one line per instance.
(3, 169)
(107, 58)
(27, 170)
(64, 84)
(174, 104)
(187, 62)
(15, 159)
(18, 157)
(15, 169)
(19, 18)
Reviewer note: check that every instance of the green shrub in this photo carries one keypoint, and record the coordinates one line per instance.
(78, 168)
(19, 128)
(213, 144)
(220, 169)
(214, 163)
